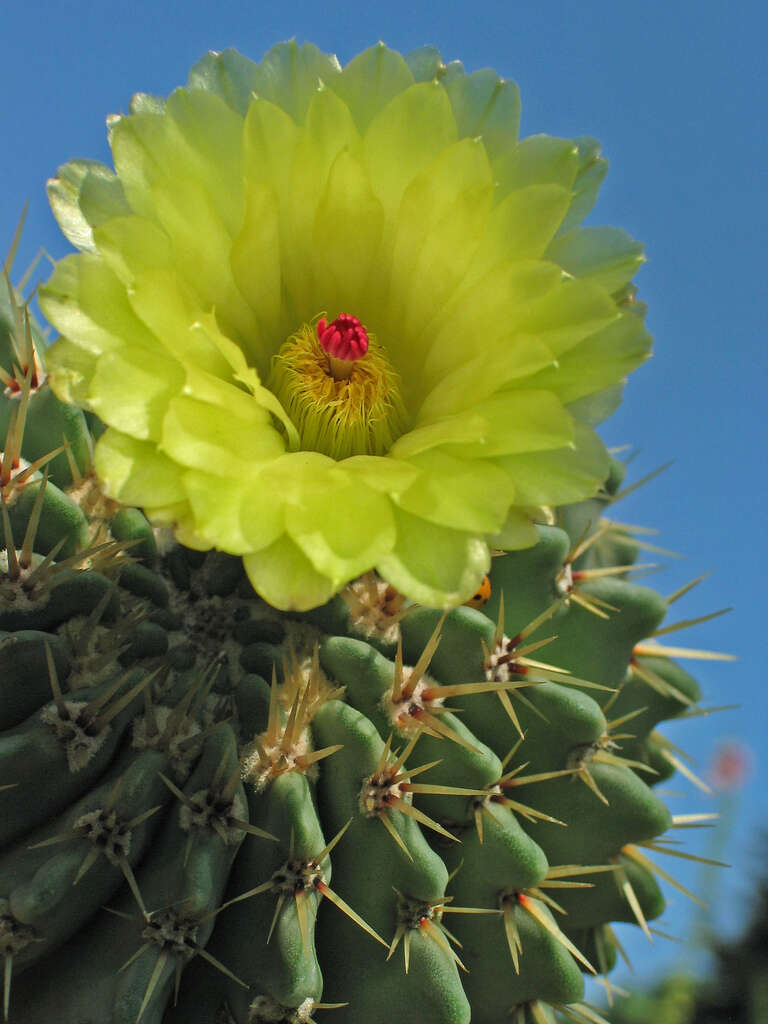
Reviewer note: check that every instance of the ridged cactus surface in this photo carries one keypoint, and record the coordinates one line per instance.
(215, 812)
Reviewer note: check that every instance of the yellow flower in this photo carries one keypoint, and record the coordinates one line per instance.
(338, 320)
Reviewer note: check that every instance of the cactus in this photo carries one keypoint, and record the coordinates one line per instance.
(215, 811)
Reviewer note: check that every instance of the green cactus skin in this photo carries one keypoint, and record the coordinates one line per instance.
(157, 759)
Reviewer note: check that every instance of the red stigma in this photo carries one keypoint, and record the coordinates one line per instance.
(344, 338)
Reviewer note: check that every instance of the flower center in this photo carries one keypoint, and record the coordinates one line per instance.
(339, 388)
(345, 340)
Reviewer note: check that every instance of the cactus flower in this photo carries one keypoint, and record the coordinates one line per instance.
(343, 319)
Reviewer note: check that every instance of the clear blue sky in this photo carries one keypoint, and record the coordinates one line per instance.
(676, 92)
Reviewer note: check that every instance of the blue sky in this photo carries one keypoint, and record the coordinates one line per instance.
(674, 92)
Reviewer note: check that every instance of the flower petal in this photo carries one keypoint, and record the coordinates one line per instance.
(229, 75)
(594, 408)
(370, 81)
(610, 354)
(283, 575)
(538, 160)
(87, 303)
(145, 103)
(520, 421)
(404, 137)
(70, 368)
(435, 240)
(198, 434)
(132, 246)
(195, 137)
(219, 392)
(485, 105)
(343, 529)
(606, 256)
(562, 476)
(466, 494)
(255, 261)
(462, 428)
(590, 176)
(269, 143)
(388, 475)
(295, 474)
(570, 315)
(130, 390)
(205, 143)
(425, 63)
(346, 235)
(290, 75)
(235, 514)
(137, 145)
(518, 532)
(163, 302)
(470, 383)
(329, 131)
(434, 565)
(82, 195)
(487, 315)
(135, 472)
(520, 227)
(201, 246)
(178, 517)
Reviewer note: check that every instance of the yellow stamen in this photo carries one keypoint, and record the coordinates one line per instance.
(355, 411)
